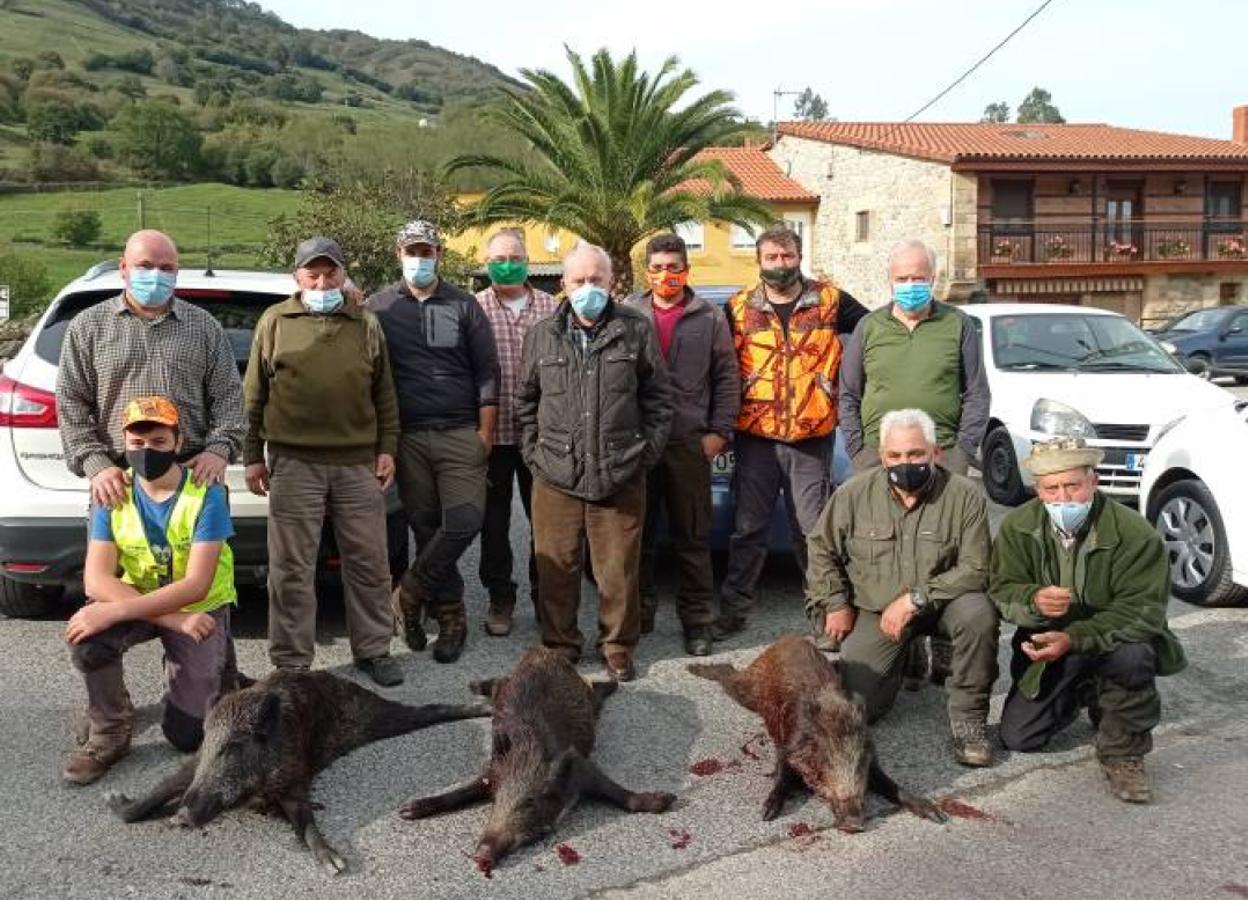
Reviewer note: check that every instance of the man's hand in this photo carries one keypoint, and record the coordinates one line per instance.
(109, 487)
(1048, 646)
(90, 620)
(839, 623)
(257, 475)
(487, 439)
(385, 470)
(713, 445)
(1053, 602)
(197, 626)
(207, 468)
(896, 617)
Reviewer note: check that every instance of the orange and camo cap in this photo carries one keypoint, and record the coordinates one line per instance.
(156, 410)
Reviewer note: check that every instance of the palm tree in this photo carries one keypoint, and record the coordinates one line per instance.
(614, 157)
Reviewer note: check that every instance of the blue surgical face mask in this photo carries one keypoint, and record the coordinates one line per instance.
(912, 296)
(151, 287)
(326, 301)
(588, 301)
(1069, 517)
(420, 270)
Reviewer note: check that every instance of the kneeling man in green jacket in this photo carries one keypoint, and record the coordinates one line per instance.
(1086, 580)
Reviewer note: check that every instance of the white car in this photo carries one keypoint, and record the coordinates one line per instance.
(1191, 482)
(1081, 371)
(43, 507)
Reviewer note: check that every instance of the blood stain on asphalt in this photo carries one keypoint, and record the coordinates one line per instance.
(800, 829)
(483, 864)
(1239, 890)
(956, 808)
(680, 838)
(712, 766)
(567, 854)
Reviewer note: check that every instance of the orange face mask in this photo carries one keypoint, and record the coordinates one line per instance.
(668, 285)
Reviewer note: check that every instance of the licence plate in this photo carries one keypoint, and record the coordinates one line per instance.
(1135, 461)
(724, 463)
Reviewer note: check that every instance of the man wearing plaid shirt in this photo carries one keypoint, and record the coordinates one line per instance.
(512, 305)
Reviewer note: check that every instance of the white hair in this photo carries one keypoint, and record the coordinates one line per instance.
(585, 247)
(908, 418)
(909, 246)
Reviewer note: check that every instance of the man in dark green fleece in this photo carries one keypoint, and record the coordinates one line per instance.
(320, 395)
(901, 552)
(1086, 581)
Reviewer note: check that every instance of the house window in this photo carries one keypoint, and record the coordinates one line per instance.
(1223, 200)
(862, 225)
(551, 243)
(1228, 293)
(1012, 209)
(798, 227)
(742, 238)
(693, 234)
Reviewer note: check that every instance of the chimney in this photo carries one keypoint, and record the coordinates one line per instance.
(1239, 124)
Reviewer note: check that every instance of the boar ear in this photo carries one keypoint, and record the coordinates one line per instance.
(270, 714)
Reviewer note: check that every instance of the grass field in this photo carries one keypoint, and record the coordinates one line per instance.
(239, 223)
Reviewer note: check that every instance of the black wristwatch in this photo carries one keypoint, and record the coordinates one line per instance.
(919, 600)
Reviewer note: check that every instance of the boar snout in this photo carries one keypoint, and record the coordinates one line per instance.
(848, 813)
(197, 809)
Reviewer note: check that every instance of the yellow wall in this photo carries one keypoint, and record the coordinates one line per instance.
(717, 263)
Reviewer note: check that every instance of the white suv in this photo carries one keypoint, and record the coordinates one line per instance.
(1081, 371)
(43, 507)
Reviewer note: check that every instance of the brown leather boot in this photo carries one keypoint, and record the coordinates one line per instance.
(452, 633)
(1127, 779)
(409, 601)
(90, 761)
(499, 617)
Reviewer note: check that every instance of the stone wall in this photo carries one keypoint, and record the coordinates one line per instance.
(903, 198)
(1166, 296)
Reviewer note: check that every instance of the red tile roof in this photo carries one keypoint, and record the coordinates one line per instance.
(959, 143)
(759, 175)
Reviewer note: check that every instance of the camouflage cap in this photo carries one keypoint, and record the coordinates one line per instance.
(156, 410)
(1061, 454)
(418, 231)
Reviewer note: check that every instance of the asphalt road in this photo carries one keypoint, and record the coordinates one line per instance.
(1053, 829)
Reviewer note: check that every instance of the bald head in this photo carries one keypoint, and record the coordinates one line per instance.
(587, 263)
(150, 249)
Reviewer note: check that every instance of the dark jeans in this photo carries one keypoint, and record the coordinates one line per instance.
(441, 477)
(680, 483)
(766, 469)
(1121, 681)
(506, 466)
(561, 524)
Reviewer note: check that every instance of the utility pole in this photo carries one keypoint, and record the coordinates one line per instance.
(142, 215)
(775, 108)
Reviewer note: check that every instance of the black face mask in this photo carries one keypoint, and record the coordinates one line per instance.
(910, 477)
(150, 463)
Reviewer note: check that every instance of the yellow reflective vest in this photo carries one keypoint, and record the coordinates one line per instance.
(139, 564)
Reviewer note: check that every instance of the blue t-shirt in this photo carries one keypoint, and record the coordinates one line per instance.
(213, 524)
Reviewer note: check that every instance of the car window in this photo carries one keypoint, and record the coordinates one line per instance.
(1076, 343)
(1199, 320)
(1239, 324)
(237, 311)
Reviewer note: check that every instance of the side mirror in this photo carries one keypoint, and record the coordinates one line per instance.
(1195, 366)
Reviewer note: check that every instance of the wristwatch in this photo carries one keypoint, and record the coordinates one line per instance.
(919, 600)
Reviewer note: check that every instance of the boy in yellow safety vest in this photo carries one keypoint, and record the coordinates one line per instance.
(176, 583)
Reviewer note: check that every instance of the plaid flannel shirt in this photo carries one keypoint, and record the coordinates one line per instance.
(111, 356)
(509, 330)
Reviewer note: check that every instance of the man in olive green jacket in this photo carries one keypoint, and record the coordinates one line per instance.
(902, 551)
(1086, 581)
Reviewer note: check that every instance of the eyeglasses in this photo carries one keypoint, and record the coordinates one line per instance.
(656, 268)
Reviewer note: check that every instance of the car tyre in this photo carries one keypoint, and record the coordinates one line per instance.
(1205, 358)
(1002, 480)
(19, 600)
(1186, 516)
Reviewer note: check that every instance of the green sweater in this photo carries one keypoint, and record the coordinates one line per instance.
(1120, 581)
(318, 387)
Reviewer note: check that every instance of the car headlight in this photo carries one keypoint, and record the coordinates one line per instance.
(1055, 418)
(1169, 347)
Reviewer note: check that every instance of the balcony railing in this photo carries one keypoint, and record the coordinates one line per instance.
(1044, 243)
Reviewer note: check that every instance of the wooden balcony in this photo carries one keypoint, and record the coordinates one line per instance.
(1137, 246)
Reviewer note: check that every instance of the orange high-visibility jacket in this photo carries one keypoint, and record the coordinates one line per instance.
(788, 384)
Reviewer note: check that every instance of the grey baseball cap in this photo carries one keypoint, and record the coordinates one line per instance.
(317, 247)
(418, 231)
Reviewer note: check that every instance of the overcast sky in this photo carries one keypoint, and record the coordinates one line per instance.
(1160, 64)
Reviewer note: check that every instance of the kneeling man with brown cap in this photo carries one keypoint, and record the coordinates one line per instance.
(1086, 580)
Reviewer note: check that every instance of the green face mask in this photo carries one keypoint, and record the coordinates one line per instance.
(508, 272)
(781, 277)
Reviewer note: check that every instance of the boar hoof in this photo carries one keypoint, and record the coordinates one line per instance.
(329, 860)
(925, 809)
(117, 802)
(772, 807)
(417, 809)
(849, 825)
(656, 802)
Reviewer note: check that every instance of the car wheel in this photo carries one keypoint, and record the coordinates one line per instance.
(1241, 379)
(27, 601)
(1002, 480)
(1187, 518)
(1207, 374)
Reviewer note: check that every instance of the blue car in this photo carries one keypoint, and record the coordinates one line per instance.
(722, 500)
(1212, 341)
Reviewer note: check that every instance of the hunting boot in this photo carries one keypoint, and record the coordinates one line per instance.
(499, 616)
(918, 663)
(452, 632)
(1127, 779)
(970, 742)
(409, 601)
(96, 756)
(698, 640)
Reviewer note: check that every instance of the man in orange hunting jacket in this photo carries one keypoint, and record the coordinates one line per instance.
(787, 332)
